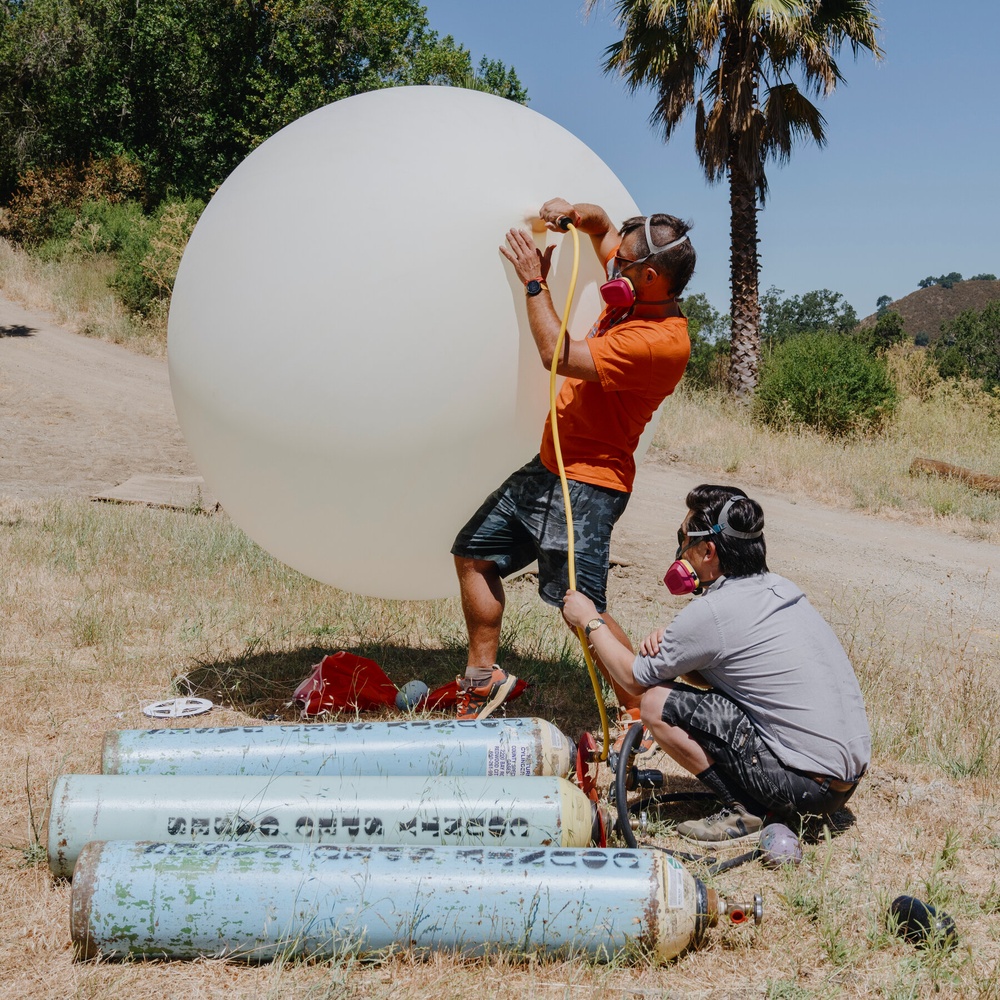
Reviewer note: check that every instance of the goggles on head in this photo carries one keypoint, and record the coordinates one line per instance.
(723, 527)
(618, 292)
(681, 577)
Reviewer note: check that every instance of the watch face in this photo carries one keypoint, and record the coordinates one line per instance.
(533, 287)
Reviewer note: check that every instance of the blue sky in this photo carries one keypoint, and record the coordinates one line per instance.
(905, 188)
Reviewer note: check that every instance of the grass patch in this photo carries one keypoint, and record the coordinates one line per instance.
(76, 291)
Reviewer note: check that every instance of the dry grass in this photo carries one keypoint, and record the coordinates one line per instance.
(106, 606)
(951, 422)
(75, 292)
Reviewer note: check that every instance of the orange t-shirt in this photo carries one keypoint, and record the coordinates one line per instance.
(639, 363)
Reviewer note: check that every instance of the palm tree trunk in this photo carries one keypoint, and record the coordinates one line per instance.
(744, 355)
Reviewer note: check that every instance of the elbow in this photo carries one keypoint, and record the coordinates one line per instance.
(634, 688)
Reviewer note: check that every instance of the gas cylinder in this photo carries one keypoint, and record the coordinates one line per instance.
(256, 901)
(501, 747)
(442, 809)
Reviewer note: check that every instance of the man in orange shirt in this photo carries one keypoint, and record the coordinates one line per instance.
(614, 381)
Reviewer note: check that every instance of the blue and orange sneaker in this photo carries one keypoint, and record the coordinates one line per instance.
(481, 702)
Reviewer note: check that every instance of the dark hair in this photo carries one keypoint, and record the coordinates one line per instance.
(737, 556)
(677, 263)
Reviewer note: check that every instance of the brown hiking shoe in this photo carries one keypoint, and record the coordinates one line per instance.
(730, 825)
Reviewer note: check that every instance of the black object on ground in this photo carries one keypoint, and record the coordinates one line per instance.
(921, 924)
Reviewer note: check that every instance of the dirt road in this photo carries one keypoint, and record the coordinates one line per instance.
(78, 415)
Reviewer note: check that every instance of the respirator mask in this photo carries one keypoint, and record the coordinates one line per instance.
(681, 577)
(618, 292)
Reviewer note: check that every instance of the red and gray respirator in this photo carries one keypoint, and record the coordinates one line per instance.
(681, 577)
(618, 292)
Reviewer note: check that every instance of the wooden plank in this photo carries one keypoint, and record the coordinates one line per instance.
(172, 492)
(977, 480)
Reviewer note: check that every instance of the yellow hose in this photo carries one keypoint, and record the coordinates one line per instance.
(570, 553)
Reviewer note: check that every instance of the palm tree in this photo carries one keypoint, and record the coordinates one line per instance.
(732, 60)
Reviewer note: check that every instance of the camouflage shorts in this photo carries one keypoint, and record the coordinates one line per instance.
(525, 519)
(716, 723)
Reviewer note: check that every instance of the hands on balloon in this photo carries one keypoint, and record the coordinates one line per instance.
(529, 262)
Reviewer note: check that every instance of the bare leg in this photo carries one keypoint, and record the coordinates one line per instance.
(673, 740)
(625, 699)
(482, 604)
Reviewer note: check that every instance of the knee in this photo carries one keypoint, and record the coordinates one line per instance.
(651, 705)
(466, 567)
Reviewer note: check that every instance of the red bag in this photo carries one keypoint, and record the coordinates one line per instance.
(344, 682)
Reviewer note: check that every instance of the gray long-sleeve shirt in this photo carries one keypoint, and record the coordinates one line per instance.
(760, 641)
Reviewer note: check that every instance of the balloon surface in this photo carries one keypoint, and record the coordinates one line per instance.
(350, 357)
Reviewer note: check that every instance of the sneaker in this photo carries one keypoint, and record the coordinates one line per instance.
(730, 825)
(481, 702)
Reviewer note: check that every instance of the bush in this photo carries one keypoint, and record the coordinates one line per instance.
(970, 346)
(886, 331)
(96, 227)
(827, 381)
(149, 257)
(708, 330)
(47, 201)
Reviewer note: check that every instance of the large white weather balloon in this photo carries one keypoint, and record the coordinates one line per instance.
(350, 356)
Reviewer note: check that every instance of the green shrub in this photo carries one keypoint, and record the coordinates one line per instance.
(48, 200)
(148, 259)
(827, 381)
(96, 227)
(887, 330)
(970, 346)
(709, 333)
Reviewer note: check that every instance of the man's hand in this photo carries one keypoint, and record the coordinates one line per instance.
(591, 220)
(578, 609)
(650, 646)
(529, 262)
(557, 209)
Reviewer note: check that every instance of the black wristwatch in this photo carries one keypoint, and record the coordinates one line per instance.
(534, 286)
(594, 623)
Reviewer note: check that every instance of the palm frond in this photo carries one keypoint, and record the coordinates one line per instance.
(711, 140)
(779, 16)
(853, 21)
(657, 51)
(789, 115)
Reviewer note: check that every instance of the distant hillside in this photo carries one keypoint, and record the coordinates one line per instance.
(924, 310)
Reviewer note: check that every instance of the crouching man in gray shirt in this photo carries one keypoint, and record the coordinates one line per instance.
(771, 717)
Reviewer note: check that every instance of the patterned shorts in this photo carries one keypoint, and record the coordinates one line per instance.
(525, 519)
(716, 723)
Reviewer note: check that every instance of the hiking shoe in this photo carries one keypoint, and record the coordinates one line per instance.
(481, 702)
(730, 825)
